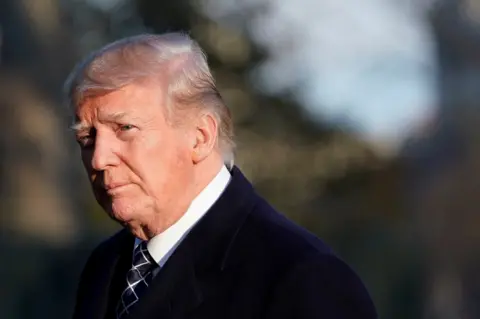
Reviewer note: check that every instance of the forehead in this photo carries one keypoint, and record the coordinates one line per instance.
(138, 100)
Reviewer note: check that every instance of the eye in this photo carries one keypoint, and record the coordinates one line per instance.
(126, 127)
(86, 138)
(85, 141)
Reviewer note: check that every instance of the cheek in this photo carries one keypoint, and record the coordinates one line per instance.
(170, 150)
(146, 161)
(165, 164)
(158, 161)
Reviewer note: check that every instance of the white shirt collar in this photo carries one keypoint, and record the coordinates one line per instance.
(164, 244)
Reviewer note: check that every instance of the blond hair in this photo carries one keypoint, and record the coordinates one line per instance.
(150, 56)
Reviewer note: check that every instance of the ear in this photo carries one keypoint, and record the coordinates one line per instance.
(205, 137)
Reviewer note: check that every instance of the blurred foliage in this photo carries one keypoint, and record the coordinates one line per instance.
(406, 224)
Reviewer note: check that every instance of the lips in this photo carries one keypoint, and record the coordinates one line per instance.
(114, 188)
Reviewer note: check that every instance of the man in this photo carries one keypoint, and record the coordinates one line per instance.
(156, 142)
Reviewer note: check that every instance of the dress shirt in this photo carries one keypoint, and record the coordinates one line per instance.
(162, 246)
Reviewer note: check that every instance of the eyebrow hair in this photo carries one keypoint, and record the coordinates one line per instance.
(81, 126)
(113, 116)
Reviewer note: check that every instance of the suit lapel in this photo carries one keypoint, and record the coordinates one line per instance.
(106, 285)
(198, 263)
(173, 292)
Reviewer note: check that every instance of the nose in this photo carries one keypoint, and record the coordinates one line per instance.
(103, 154)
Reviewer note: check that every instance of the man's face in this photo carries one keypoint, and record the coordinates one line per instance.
(139, 165)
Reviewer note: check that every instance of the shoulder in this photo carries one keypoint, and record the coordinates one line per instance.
(302, 270)
(323, 286)
(272, 235)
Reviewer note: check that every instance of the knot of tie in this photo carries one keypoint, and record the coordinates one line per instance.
(138, 278)
(142, 261)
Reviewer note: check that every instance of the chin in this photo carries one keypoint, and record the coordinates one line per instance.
(129, 212)
(122, 211)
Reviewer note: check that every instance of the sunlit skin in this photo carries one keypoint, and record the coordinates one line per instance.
(144, 171)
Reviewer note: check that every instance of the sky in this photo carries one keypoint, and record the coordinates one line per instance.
(370, 63)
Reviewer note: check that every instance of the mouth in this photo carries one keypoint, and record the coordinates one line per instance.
(115, 188)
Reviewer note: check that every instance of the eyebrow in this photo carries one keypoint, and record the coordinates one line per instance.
(81, 126)
(113, 117)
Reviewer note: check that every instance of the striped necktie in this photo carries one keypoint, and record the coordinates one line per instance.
(138, 278)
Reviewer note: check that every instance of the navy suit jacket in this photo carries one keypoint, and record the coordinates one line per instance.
(242, 260)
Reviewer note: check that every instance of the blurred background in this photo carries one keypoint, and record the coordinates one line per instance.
(357, 119)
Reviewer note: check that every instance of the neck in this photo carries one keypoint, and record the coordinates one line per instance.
(203, 173)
